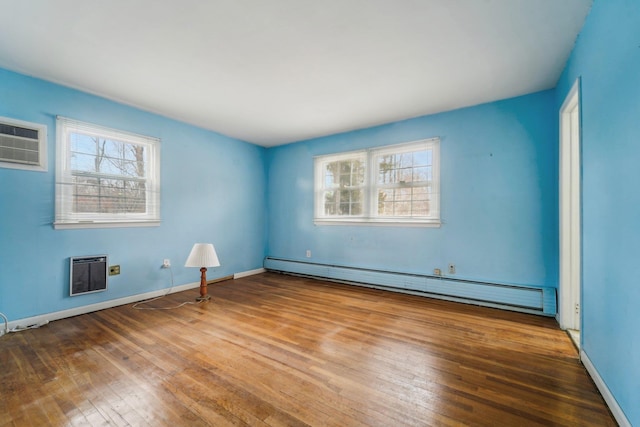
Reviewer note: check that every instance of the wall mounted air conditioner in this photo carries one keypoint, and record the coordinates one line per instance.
(23, 145)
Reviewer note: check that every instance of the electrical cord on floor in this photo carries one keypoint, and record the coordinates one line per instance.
(24, 328)
(137, 305)
(6, 324)
(19, 328)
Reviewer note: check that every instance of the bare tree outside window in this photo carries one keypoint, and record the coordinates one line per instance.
(108, 175)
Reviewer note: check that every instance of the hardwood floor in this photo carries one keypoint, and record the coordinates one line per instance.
(274, 350)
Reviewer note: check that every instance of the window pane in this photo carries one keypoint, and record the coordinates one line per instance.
(83, 162)
(420, 193)
(422, 158)
(403, 202)
(330, 207)
(404, 160)
(329, 178)
(405, 175)
(99, 195)
(95, 154)
(402, 209)
(344, 202)
(422, 174)
(386, 176)
(344, 173)
(81, 143)
(384, 197)
(404, 167)
(344, 167)
(358, 173)
(420, 208)
(403, 194)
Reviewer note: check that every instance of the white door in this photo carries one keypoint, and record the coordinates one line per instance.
(570, 213)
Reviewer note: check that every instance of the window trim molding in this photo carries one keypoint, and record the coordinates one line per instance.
(103, 224)
(64, 218)
(379, 223)
(370, 188)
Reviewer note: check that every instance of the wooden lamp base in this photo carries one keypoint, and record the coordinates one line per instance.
(203, 286)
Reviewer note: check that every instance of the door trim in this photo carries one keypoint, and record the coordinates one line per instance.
(570, 212)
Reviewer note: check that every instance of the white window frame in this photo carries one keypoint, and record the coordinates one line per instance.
(65, 218)
(371, 187)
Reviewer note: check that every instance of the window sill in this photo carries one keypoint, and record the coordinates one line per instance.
(103, 224)
(379, 223)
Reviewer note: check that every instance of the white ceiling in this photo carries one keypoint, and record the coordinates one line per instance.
(276, 71)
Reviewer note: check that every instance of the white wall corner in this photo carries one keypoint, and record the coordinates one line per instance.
(616, 410)
(249, 273)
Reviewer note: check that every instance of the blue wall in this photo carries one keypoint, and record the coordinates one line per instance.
(607, 58)
(213, 190)
(499, 197)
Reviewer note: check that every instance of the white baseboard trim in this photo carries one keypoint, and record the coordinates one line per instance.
(249, 273)
(616, 410)
(43, 319)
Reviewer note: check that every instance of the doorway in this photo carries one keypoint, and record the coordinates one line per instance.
(569, 313)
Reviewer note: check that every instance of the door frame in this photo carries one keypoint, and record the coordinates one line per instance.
(570, 212)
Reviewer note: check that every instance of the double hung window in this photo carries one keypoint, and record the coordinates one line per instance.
(105, 177)
(394, 185)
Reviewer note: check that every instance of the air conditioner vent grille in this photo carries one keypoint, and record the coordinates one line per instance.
(6, 129)
(22, 145)
(18, 150)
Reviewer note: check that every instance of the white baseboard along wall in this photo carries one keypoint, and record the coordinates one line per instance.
(43, 319)
(615, 409)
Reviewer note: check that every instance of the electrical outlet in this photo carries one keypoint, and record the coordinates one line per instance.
(166, 263)
(114, 270)
(308, 253)
(437, 272)
(452, 269)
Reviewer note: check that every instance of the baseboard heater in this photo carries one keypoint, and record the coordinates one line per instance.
(523, 298)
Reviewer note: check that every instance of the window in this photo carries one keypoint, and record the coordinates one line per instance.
(394, 185)
(105, 177)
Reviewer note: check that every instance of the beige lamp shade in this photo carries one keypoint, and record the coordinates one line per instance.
(202, 255)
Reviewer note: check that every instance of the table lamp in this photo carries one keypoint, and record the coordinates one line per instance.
(203, 255)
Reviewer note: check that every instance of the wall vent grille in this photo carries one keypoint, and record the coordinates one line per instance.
(88, 274)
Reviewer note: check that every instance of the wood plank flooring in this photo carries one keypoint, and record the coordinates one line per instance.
(274, 350)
